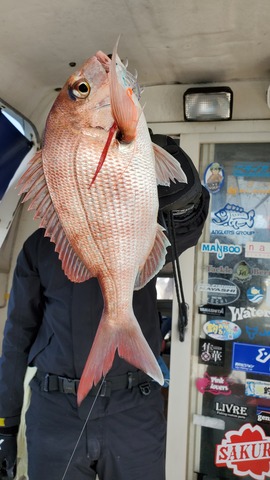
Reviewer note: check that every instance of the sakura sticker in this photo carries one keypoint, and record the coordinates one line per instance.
(245, 452)
(213, 177)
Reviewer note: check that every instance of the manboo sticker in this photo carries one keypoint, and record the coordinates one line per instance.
(222, 330)
(221, 249)
(245, 452)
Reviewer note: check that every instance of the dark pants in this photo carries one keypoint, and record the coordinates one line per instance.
(128, 445)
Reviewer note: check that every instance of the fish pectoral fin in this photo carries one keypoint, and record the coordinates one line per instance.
(155, 260)
(124, 110)
(167, 167)
(33, 183)
(126, 337)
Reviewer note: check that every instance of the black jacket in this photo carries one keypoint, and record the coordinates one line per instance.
(52, 323)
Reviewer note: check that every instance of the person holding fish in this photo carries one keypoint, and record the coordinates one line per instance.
(85, 280)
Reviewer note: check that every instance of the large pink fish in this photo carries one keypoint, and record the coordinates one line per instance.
(94, 186)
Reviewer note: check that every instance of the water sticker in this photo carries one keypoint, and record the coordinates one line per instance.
(244, 313)
(214, 177)
(245, 452)
(251, 358)
(222, 330)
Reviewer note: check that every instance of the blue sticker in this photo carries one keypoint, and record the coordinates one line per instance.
(255, 294)
(251, 358)
(213, 177)
(255, 169)
(222, 330)
(263, 414)
(234, 216)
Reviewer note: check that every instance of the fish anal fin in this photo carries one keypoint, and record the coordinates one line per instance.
(131, 346)
(155, 260)
(167, 167)
(33, 183)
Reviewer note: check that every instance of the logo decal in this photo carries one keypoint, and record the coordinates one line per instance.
(222, 330)
(209, 309)
(257, 388)
(231, 410)
(251, 170)
(213, 384)
(221, 249)
(245, 452)
(251, 358)
(214, 177)
(220, 291)
(249, 312)
(263, 414)
(242, 272)
(234, 216)
(253, 332)
(211, 352)
(257, 250)
(255, 294)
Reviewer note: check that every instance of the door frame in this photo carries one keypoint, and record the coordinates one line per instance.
(181, 435)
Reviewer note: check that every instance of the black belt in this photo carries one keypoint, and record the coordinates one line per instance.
(56, 383)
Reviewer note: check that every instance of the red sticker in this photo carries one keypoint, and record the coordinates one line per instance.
(246, 452)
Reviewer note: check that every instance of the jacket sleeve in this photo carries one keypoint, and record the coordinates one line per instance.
(23, 321)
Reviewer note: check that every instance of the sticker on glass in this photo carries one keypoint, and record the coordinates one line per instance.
(222, 330)
(214, 177)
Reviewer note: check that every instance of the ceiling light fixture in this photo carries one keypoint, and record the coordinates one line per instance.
(208, 104)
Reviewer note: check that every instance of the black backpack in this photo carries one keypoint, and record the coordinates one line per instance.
(183, 209)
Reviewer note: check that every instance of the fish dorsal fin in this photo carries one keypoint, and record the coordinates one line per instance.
(33, 183)
(155, 260)
(167, 167)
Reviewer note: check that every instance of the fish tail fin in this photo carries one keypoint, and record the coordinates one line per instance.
(131, 346)
(124, 110)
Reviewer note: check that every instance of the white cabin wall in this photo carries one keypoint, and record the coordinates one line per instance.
(164, 103)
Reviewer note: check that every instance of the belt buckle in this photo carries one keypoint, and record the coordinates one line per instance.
(106, 389)
(145, 388)
(68, 385)
(46, 383)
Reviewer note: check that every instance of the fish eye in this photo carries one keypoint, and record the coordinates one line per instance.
(81, 89)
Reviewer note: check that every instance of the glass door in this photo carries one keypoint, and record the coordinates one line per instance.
(231, 317)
